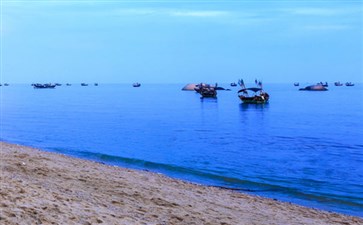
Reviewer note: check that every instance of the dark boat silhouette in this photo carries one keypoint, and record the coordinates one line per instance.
(253, 95)
(349, 84)
(42, 86)
(323, 84)
(208, 92)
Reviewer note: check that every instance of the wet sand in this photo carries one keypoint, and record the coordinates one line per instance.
(40, 187)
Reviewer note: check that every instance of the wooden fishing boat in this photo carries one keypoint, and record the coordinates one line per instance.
(258, 96)
(41, 86)
(323, 84)
(253, 95)
(349, 84)
(208, 92)
(136, 84)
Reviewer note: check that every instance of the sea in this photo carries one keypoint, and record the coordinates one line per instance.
(302, 147)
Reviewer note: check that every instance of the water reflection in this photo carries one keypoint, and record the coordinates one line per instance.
(208, 99)
(256, 107)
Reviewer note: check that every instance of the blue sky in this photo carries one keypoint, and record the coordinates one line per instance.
(181, 41)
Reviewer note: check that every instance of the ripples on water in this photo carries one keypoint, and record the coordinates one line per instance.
(304, 147)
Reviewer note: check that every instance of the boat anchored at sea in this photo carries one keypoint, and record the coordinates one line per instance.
(349, 84)
(42, 86)
(136, 84)
(253, 95)
(206, 90)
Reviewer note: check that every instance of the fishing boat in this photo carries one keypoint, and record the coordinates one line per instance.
(296, 84)
(253, 95)
(338, 83)
(199, 87)
(84, 84)
(349, 84)
(42, 86)
(208, 92)
(136, 84)
(323, 84)
(233, 84)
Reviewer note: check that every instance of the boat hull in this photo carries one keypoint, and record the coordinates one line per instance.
(253, 100)
(208, 94)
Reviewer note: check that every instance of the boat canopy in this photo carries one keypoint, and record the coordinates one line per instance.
(254, 89)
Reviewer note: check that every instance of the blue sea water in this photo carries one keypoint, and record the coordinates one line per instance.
(302, 147)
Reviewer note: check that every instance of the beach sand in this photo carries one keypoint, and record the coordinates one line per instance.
(39, 187)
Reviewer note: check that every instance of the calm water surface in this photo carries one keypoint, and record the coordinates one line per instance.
(303, 147)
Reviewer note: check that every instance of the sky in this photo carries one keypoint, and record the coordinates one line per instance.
(181, 41)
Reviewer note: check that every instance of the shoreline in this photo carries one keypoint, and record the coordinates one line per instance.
(39, 187)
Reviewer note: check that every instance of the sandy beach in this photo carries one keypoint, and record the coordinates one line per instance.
(40, 187)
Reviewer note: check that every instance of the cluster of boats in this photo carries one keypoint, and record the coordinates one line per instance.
(53, 85)
(5, 84)
(250, 95)
(255, 95)
(322, 86)
(49, 85)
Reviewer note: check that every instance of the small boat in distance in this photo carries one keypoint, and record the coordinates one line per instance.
(68, 84)
(84, 84)
(317, 87)
(96, 84)
(323, 84)
(136, 84)
(38, 86)
(349, 84)
(296, 84)
(338, 83)
(233, 84)
(259, 96)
